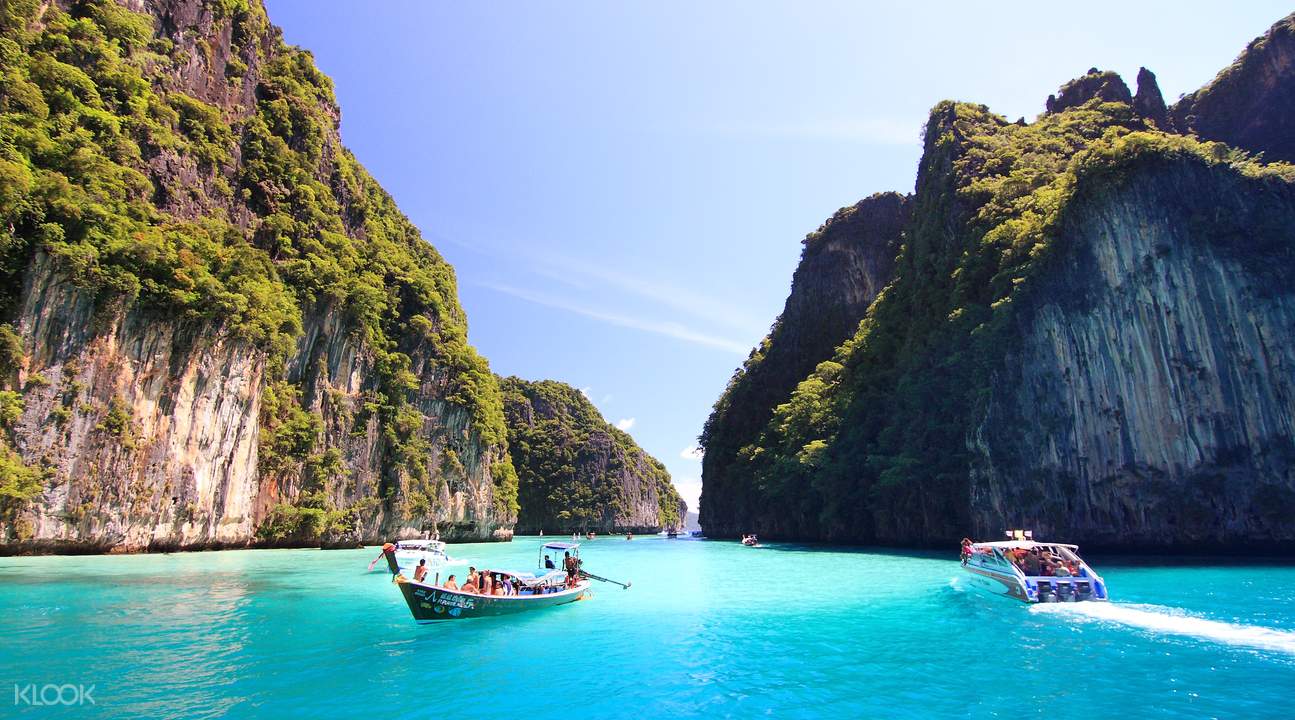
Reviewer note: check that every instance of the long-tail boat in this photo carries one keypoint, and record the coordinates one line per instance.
(558, 581)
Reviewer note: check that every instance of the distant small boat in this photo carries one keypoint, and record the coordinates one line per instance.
(672, 534)
(548, 587)
(1044, 573)
(750, 540)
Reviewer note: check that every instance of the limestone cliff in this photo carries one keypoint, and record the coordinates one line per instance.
(1251, 104)
(577, 472)
(1087, 332)
(843, 266)
(1148, 398)
(224, 331)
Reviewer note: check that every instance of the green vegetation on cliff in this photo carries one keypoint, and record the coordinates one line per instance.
(576, 470)
(245, 217)
(871, 437)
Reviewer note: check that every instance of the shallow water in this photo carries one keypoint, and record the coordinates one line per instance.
(708, 630)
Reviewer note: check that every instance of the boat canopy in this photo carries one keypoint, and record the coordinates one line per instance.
(1021, 544)
(561, 546)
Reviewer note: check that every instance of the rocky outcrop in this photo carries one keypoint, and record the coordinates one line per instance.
(1148, 102)
(243, 341)
(577, 472)
(1251, 104)
(1106, 86)
(843, 266)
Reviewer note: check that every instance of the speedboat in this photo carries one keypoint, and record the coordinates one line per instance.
(750, 541)
(550, 585)
(406, 554)
(1054, 572)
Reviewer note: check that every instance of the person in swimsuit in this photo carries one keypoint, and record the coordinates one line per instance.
(420, 572)
(451, 584)
(487, 583)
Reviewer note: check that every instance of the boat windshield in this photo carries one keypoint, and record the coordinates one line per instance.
(425, 545)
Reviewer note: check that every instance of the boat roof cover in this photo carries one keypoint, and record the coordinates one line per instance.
(1021, 544)
(561, 546)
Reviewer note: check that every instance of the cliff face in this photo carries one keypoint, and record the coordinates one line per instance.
(1148, 399)
(843, 266)
(577, 472)
(1251, 104)
(224, 331)
(1087, 333)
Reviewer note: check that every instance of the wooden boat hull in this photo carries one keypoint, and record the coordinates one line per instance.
(435, 604)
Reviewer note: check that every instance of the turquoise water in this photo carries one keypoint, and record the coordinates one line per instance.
(708, 630)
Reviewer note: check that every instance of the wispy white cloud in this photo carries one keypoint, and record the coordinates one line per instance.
(692, 453)
(873, 131)
(625, 424)
(690, 302)
(583, 274)
(668, 329)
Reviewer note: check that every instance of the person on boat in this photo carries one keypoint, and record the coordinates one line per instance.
(451, 583)
(487, 583)
(966, 549)
(470, 586)
(548, 563)
(508, 586)
(420, 572)
(1030, 565)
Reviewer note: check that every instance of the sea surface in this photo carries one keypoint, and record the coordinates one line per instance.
(708, 629)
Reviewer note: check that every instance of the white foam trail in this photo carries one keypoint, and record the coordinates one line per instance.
(1171, 621)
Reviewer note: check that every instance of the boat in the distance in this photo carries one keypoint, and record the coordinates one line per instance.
(751, 540)
(549, 586)
(406, 555)
(1032, 572)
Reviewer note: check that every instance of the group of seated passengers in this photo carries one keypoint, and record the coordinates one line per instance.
(1034, 562)
(484, 583)
(493, 583)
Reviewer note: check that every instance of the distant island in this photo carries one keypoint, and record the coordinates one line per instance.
(1082, 324)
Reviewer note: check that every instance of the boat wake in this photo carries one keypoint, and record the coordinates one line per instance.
(1171, 621)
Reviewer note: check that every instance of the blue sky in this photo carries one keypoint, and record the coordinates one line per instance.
(622, 187)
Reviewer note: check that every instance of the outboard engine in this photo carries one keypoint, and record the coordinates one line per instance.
(1065, 592)
(1083, 590)
(1047, 592)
